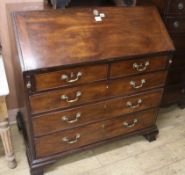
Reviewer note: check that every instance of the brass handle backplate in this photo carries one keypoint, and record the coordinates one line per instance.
(176, 24)
(180, 5)
(133, 84)
(130, 125)
(131, 105)
(71, 141)
(70, 80)
(66, 98)
(68, 120)
(141, 67)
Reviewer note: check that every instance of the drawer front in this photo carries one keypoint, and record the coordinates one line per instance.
(88, 134)
(178, 61)
(176, 76)
(176, 25)
(80, 95)
(135, 66)
(173, 94)
(70, 76)
(179, 42)
(57, 121)
(176, 6)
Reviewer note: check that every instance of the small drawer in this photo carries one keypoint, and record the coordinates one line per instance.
(176, 6)
(71, 97)
(175, 25)
(70, 76)
(88, 134)
(45, 124)
(135, 66)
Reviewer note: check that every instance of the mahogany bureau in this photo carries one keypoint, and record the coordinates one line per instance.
(88, 77)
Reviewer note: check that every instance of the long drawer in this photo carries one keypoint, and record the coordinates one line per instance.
(78, 137)
(70, 97)
(56, 121)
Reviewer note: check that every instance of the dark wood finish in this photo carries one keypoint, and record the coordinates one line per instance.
(176, 7)
(126, 68)
(179, 41)
(52, 100)
(173, 14)
(173, 78)
(60, 4)
(173, 94)
(92, 133)
(77, 50)
(37, 171)
(50, 42)
(75, 76)
(175, 24)
(178, 61)
(48, 123)
(151, 136)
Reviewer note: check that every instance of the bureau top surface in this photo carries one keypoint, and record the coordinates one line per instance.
(55, 38)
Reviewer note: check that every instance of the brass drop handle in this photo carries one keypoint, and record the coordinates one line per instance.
(180, 5)
(133, 84)
(68, 80)
(68, 120)
(176, 24)
(131, 125)
(141, 67)
(66, 98)
(70, 141)
(130, 105)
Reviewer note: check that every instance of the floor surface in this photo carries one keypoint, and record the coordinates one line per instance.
(133, 156)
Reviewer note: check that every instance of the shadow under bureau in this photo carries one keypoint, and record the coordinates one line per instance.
(88, 77)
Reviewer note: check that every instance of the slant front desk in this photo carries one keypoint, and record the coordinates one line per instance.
(88, 77)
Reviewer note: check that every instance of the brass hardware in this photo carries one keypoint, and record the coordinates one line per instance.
(130, 105)
(98, 16)
(176, 24)
(170, 61)
(127, 125)
(67, 119)
(77, 137)
(66, 98)
(180, 6)
(28, 85)
(107, 86)
(133, 84)
(141, 67)
(95, 12)
(68, 80)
